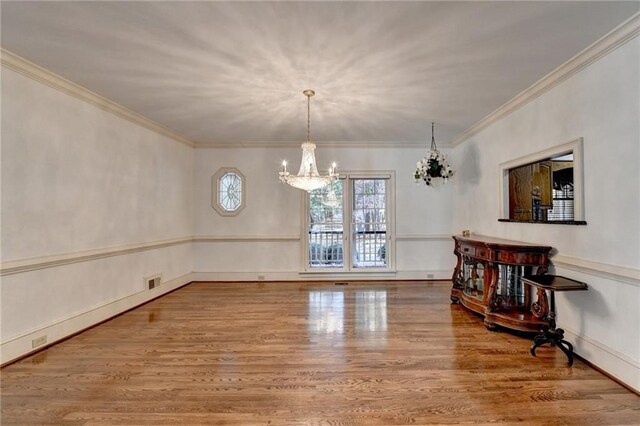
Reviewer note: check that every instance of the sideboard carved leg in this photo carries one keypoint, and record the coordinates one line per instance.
(457, 270)
(457, 279)
(490, 301)
(540, 308)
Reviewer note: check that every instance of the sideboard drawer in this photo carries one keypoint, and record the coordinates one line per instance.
(521, 258)
(473, 251)
(483, 253)
(467, 250)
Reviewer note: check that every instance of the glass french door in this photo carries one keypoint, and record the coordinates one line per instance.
(347, 225)
(368, 223)
(325, 242)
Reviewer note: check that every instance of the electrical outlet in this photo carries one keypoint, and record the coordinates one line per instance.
(39, 341)
(429, 275)
(152, 281)
(260, 277)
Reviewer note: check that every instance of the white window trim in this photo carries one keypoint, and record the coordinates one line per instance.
(575, 146)
(347, 270)
(215, 188)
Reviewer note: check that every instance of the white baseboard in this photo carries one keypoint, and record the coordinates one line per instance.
(320, 276)
(21, 345)
(435, 274)
(246, 276)
(609, 360)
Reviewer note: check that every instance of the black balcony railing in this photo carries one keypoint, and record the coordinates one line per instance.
(326, 248)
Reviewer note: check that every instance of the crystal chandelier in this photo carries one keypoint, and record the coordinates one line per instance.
(308, 177)
(434, 165)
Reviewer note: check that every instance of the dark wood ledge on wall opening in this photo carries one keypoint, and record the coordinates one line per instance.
(554, 222)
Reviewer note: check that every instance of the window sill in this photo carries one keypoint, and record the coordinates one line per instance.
(555, 222)
(368, 272)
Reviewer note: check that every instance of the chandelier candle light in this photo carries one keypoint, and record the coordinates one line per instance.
(308, 177)
(434, 165)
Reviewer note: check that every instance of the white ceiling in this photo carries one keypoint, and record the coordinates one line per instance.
(221, 72)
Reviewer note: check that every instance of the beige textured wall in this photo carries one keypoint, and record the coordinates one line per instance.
(76, 178)
(601, 104)
(275, 209)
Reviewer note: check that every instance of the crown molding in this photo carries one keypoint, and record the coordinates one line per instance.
(608, 43)
(37, 73)
(323, 144)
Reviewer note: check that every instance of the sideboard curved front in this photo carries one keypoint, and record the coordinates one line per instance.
(488, 280)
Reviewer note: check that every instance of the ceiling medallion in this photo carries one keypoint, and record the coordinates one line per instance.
(308, 177)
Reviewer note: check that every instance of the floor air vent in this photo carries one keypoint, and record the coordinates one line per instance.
(341, 283)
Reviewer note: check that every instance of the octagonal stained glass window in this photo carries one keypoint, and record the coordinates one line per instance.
(229, 194)
(230, 191)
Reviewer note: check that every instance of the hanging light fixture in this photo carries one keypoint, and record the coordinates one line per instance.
(308, 177)
(434, 165)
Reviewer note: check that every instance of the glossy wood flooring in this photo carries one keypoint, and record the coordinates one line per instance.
(292, 353)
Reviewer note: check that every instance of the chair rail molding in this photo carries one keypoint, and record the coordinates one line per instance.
(613, 272)
(424, 237)
(244, 238)
(32, 264)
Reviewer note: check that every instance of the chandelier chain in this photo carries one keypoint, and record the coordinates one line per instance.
(308, 118)
(433, 138)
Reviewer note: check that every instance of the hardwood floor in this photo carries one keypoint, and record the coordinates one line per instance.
(306, 353)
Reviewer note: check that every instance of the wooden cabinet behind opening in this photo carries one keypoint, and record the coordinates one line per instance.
(531, 191)
(520, 186)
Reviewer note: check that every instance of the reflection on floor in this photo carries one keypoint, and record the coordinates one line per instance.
(328, 314)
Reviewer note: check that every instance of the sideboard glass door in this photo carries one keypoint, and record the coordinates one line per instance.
(473, 271)
(511, 291)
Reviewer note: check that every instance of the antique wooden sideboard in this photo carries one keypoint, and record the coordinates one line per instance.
(488, 280)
